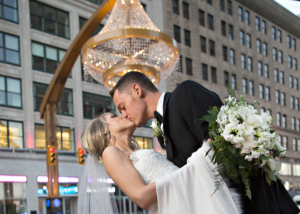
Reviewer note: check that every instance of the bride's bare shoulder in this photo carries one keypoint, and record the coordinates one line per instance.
(112, 153)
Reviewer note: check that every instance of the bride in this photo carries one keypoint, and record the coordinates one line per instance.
(145, 176)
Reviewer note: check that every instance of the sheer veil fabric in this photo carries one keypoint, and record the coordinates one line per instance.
(94, 191)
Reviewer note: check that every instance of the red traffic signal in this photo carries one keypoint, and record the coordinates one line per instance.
(51, 155)
(80, 154)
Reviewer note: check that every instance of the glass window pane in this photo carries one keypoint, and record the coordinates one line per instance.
(12, 57)
(12, 3)
(49, 26)
(87, 105)
(49, 13)
(13, 85)
(16, 206)
(38, 63)
(10, 13)
(67, 139)
(63, 30)
(1, 54)
(51, 65)
(1, 38)
(63, 17)
(51, 53)
(3, 133)
(40, 137)
(36, 8)
(15, 129)
(58, 136)
(14, 100)
(148, 143)
(36, 22)
(37, 49)
(61, 54)
(2, 83)
(99, 105)
(140, 141)
(2, 98)
(1, 193)
(11, 42)
(109, 105)
(19, 190)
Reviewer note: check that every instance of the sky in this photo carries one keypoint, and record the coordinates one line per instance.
(291, 5)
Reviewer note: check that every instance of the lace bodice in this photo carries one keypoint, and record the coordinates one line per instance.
(151, 165)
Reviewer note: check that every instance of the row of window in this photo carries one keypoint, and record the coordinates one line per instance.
(295, 104)
(283, 140)
(264, 92)
(292, 63)
(291, 43)
(280, 98)
(205, 74)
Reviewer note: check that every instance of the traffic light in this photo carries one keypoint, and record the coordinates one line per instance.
(80, 154)
(51, 155)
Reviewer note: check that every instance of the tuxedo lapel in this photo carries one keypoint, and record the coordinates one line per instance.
(165, 124)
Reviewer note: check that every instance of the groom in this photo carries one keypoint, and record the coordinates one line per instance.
(138, 100)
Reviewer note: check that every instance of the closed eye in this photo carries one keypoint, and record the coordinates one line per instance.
(113, 115)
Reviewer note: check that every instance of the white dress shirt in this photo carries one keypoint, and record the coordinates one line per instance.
(160, 107)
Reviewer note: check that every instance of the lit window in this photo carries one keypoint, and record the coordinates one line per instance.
(11, 134)
(285, 169)
(144, 142)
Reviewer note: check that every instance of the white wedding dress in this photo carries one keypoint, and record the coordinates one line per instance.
(188, 190)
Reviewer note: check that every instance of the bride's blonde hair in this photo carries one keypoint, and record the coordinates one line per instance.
(94, 138)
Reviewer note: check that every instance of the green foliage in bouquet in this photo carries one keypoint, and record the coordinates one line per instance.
(230, 160)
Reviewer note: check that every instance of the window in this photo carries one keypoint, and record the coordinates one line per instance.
(279, 139)
(278, 119)
(233, 81)
(144, 142)
(11, 134)
(290, 62)
(265, 49)
(49, 19)
(177, 33)
(229, 7)
(281, 76)
(284, 121)
(294, 144)
(176, 6)
(180, 64)
(243, 61)
(222, 5)
(251, 88)
(64, 105)
(9, 10)
(294, 44)
(225, 58)
(189, 66)
(268, 98)
(232, 56)
(259, 66)
(292, 102)
(266, 71)
(296, 167)
(280, 57)
(9, 48)
(231, 34)
(297, 107)
(46, 58)
(209, 2)
(285, 142)
(213, 75)
(250, 64)
(279, 38)
(289, 41)
(291, 81)
(275, 54)
(285, 169)
(262, 110)
(257, 23)
(201, 18)
(82, 21)
(203, 44)
(261, 91)
(212, 48)
(186, 12)
(282, 98)
(223, 26)
(242, 39)
(258, 46)
(187, 38)
(248, 40)
(10, 92)
(241, 17)
(293, 123)
(94, 105)
(247, 17)
(264, 27)
(204, 72)
(295, 64)
(210, 22)
(226, 78)
(273, 33)
(296, 86)
(13, 197)
(276, 79)
(277, 97)
(298, 129)
(245, 86)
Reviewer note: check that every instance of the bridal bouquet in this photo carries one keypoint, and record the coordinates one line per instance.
(243, 141)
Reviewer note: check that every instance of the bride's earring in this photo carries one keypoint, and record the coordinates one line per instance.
(108, 135)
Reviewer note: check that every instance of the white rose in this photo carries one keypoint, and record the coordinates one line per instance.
(249, 143)
(254, 120)
(238, 140)
(248, 130)
(273, 164)
(280, 148)
(266, 118)
(153, 124)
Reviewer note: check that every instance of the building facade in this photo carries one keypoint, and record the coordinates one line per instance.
(247, 46)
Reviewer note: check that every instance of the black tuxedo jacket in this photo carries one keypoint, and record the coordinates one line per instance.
(191, 101)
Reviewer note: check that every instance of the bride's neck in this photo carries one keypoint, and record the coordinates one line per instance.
(123, 143)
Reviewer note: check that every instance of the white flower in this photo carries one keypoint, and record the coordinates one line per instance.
(255, 154)
(280, 148)
(254, 120)
(273, 164)
(249, 143)
(238, 140)
(248, 158)
(154, 124)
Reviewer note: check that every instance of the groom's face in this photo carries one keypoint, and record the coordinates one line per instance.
(131, 105)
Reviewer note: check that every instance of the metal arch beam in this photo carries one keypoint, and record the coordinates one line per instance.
(65, 66)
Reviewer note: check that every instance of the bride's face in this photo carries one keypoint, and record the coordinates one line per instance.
(117, 125)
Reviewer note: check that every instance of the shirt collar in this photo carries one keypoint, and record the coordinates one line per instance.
(160, 104)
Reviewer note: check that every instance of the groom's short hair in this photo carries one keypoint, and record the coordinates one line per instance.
(126, 81)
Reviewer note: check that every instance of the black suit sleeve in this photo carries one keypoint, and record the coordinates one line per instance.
(194, 101)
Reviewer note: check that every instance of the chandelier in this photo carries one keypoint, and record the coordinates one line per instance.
(129, 41)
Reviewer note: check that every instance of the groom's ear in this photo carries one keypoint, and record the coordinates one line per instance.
(137, 90)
